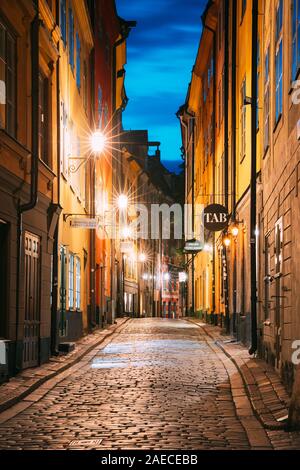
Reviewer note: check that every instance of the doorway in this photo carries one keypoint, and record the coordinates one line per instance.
(32, 301)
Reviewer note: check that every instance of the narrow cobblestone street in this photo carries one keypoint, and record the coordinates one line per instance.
(157, 384)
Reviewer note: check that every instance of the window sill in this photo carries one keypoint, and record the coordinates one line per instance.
(13, 144)
(46, 170)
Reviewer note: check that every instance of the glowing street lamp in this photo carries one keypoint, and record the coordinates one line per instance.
(235, 230)
(208, 248)
(98, 142)
(143, 257)
(182, 276)
(126, 232)
(122, 202)
(226, 241)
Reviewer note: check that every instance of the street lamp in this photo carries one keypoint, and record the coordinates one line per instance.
(182, 277)
(235, 230)
(122, 201)
(207, 248)
(126, 232)
(98, 142)
(226, 241)
(142, 257)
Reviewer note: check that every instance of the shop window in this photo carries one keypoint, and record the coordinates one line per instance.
(77, 283)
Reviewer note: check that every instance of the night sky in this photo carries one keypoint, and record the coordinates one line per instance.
(161, 52)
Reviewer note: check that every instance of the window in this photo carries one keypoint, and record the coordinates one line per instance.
(257, 84)
(63, 20)
(211, 140)
(43, 118)
(243, 119)
(71, 281)
(85, 86)
(8, 73)
(279, 19)
(278, 246)
(221, 99)
(65, 141)
(279, 60)
(204, 88)
(99, 107)
(267, 276)
(267, 101)
(105, 114)
(295, 38)
(210, 71)
(244, 6)
(219, 107)
(77, 283)
(78, 62)
(107, 49)
(71, 39)
(220, 26)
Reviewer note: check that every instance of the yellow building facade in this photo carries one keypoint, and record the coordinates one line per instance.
(224, 176)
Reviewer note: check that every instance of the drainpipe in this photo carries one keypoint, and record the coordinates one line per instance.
(55, 296)
(253, 347)
(233, 149)
(34, 34)
(92, 170)
(226, 159)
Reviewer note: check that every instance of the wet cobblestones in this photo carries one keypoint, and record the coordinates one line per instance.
(158, 384)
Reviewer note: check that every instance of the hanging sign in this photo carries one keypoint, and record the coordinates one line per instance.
(84, 223)
(193, 246)
(215, 217)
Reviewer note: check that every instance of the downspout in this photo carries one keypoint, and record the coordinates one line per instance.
(55, 296)
(92, 167)
(253, 347)
(226, 159)
(193, 214)
(233, 149)
(34, 35)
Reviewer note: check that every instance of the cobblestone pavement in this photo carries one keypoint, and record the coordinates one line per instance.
(158, 384)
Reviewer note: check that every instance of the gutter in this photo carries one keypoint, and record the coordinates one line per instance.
(34, 33)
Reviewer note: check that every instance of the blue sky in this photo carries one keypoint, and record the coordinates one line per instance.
(161, 52)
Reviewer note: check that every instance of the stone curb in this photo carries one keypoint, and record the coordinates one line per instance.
(31, 388)
(271, 425)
